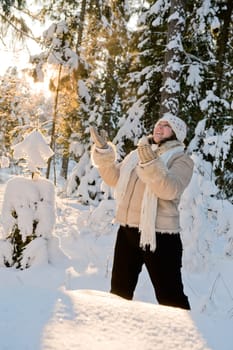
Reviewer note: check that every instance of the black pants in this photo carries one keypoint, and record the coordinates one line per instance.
(163, 266)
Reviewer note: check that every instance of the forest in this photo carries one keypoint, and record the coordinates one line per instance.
(119, 65)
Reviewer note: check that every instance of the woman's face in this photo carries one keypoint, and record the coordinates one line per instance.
(162, 131)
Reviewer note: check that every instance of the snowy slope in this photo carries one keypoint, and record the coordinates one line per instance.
(66, 304)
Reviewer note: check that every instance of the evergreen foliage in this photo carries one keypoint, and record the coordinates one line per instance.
(18, 244)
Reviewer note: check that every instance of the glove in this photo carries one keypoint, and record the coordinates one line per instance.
(145, 152)
(100, 139)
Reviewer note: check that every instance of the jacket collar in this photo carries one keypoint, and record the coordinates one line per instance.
(167, 146)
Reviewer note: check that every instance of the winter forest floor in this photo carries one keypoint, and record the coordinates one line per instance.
(66, 304)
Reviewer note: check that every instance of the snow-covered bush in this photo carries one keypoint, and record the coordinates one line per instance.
(206, 221)
(28, 212)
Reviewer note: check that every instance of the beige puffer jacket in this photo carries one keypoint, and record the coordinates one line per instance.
(166, 182)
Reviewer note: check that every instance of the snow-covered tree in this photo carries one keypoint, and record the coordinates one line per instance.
(28, 210)
(101, 91)
(207, 86)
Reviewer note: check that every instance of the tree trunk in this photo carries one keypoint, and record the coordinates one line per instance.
(81, 22)
(53, 132)
(222, 45)
(64, 166)
(170, 90)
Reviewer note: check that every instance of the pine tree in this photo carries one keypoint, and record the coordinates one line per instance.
(207, 86)
(101, 91)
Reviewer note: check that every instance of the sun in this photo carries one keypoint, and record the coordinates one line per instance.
(41, 87)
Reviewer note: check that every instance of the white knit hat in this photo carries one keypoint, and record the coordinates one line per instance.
(178, 126)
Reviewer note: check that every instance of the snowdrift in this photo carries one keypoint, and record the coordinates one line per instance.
(99, 320)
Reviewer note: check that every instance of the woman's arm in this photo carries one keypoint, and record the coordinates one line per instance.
(105, 161)
(167, 183)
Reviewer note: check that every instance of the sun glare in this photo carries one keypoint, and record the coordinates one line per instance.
(39, 87)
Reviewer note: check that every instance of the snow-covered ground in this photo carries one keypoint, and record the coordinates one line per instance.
(66, 304)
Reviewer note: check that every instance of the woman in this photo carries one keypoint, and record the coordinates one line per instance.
(148, 185)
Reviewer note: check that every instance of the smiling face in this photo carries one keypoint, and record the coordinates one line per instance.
(162, 131)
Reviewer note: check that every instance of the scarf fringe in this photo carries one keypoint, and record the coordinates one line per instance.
(147, 220)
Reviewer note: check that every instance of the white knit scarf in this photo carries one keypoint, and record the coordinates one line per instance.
(149, 202)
